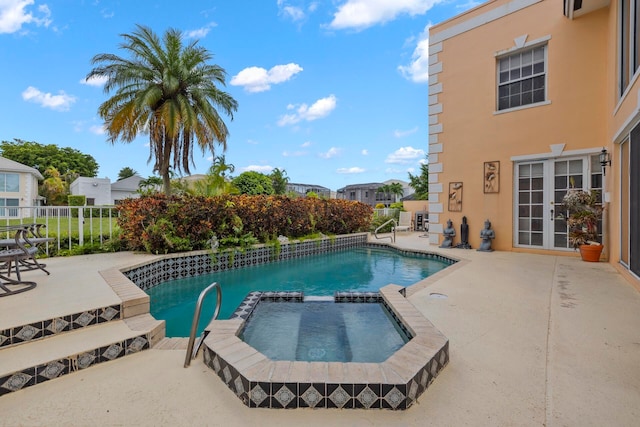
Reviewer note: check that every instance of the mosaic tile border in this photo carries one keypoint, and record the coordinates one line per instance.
(46, 328)
(56, 368)
(177, 266)
(394, 384)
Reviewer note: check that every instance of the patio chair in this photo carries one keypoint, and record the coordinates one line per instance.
(9, 286)
(404, 222)
(20, 250)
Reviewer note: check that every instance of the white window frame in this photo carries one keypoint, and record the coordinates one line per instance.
(545, 73)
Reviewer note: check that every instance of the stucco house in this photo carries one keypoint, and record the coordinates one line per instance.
(368, 192)
(18, 187)
(526, 101)
(100, 191)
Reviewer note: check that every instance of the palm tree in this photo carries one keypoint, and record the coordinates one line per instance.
(126, 172)
(168, 91)
(396, 189)
(216, 182)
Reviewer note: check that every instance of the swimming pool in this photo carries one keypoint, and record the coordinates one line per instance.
(358, 269)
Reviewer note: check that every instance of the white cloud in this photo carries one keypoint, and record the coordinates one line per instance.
(296, 13)
(258, 79)
(200, 33)
(252, 142)
(95, 81)
(393, 171)
(14, 14)
(97, 129)
(403, 133)
(319, 109)
(60, 102)
(365, 152)
(360, 14)
(306, 144)
(418, 69)
(294, 153)
(333, 152)
(405, 155)
(257, 168)
(354, 169)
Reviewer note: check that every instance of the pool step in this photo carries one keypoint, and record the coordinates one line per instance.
(41, 360)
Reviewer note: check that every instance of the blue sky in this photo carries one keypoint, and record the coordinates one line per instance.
(333, 92)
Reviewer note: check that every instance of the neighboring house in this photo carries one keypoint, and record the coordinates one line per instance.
(522, 100)
(100, 191)
(368, 193)
(303, 189)
(18, 187)
(125, 188)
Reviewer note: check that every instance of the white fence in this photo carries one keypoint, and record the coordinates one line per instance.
(386, 212)
(69, 225)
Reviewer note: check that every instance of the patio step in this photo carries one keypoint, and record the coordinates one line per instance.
(41, 360)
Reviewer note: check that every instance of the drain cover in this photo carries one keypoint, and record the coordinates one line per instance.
(437, 295)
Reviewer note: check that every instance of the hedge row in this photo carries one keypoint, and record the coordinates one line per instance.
(161, 224)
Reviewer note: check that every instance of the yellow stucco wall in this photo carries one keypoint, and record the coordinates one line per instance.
(473, 133)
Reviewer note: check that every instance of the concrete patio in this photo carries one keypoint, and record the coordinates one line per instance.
(534, 340)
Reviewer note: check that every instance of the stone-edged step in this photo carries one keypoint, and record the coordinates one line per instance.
(34, 362)
(172, 344)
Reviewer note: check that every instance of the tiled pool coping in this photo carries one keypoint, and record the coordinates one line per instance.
(393, 384)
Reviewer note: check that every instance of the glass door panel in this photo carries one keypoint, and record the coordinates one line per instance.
(530, 208)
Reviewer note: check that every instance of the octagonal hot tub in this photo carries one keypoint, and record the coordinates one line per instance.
(321, 371)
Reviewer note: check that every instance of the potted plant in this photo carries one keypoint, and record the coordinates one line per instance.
(585, 210)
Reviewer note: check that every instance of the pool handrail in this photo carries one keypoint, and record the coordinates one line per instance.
(393, 230)
(191, 351)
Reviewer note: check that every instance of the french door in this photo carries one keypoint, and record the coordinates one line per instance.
(540, 185)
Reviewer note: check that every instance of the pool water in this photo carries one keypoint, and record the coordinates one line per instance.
(323, 331)
(356, 269)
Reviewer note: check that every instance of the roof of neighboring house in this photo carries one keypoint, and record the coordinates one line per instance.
(127, 184)
(7, 165)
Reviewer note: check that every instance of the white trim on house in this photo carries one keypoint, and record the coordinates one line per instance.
(482, 19)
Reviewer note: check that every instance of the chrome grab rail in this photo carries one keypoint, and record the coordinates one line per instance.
(393, 230)
(191, 352)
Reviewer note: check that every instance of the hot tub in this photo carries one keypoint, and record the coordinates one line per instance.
(393, 381)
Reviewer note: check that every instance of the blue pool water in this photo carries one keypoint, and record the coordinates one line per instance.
(357, 269)
(323, 332)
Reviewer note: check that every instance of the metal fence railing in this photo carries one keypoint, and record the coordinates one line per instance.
(68, 225)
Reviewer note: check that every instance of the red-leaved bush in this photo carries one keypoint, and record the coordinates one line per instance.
(195, 219)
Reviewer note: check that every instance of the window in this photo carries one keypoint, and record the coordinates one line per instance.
(12, 205)
(522, 78)
(9, 182)
(629, 30)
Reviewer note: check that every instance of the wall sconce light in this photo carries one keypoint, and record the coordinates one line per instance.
(605, 159)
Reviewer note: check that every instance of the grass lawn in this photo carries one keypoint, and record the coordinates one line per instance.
(63, 227)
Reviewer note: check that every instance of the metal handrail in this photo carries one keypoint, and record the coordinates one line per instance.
(393, 230)
(191, 352)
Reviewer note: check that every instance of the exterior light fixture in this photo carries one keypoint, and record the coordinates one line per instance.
(605, 159)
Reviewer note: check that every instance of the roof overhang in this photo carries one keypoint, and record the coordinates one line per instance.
(576, 8)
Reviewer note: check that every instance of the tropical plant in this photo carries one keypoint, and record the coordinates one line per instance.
(126, 172)
(585, 211)
(252, 182)
(149, 185)
(216, 181)
(279, 180)
(420, 183)
(168, 91)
